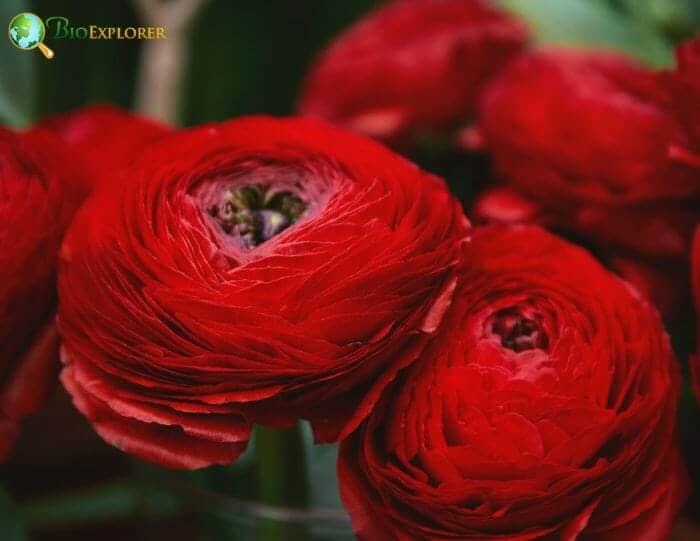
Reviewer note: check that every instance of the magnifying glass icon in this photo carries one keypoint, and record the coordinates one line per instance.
(27, 32)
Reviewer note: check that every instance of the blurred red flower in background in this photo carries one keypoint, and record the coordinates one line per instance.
(40, 192)
(411, 66)
(544, 407)
(105, 138)
(258, 270)
(594, 146)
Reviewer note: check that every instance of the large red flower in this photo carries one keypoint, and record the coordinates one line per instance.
(595, 146)
(543, 409)
(39, 194)
(106, 138)
(411, 66)
(253, 271)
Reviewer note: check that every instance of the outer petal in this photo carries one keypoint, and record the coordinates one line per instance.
(167, 445)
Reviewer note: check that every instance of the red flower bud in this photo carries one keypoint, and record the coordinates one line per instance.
(411, 66)
(594, 146)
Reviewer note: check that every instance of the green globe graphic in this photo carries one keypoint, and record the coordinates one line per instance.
(26, 30)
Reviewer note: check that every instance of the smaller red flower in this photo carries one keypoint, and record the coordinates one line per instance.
(106, 137)
(411, 66)
(544, 408)
(40, 191)
(594, 146)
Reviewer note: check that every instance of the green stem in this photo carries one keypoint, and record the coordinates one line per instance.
(281, 480)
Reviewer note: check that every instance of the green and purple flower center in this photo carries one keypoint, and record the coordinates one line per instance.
(256, 212)
(519, 332)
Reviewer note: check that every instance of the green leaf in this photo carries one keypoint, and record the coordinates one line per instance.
(592, 23)
(677, 19)
(17, 84)
(10, 525)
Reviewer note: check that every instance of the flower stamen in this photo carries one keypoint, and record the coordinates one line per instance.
(257, 212)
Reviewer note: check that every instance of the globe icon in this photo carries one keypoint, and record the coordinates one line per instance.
(27, 32)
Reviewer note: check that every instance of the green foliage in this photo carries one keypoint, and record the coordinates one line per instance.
(99, 504)
(594, 23)
(18, 81)
(86, 71)
(251, 56)
(10, 525)
(676, 19)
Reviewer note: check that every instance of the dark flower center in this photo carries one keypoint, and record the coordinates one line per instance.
(256, 212)
(519, 332)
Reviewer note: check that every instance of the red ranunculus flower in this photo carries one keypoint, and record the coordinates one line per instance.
(105, 137)
(253, 271)
(40, 193)
(543, 409)
(590, 144)
(411, 66)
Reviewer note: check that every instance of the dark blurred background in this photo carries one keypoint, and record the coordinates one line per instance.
(249, 57)
(62, 482)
